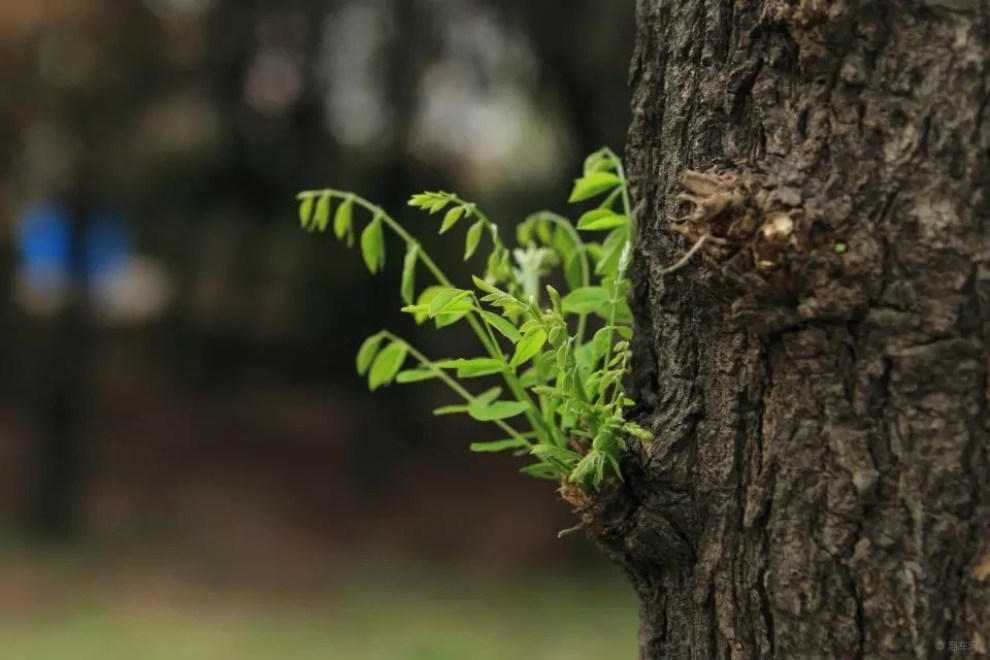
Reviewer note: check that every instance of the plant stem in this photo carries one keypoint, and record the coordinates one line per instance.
(620, 273)
(533, 413)
(562, 222)
(451, 383)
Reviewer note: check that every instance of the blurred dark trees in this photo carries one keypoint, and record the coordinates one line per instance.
(200, 119)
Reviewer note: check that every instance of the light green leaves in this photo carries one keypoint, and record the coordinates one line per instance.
(497, 410)
(590, 469)
(502, 325)
(451, 218)
(602, 160)
(306, 202)
(387, 364)
(528, 346)
(486, 408)
(565, 401)
(444, 300)
(373, 245)
(586, 300)
(445, 311)
(599, 219)
(499, 445)
(343, 221)
(474, 367)
(415, 375)
(314, 210)
(499, 298)
(612, 247)
(314, 213)
(321, 216)
(593, 184)
(473, 238)
(368, 351)
(407, 288)
(431, 201)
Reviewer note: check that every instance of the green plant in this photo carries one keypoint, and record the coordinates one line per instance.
(562, 358)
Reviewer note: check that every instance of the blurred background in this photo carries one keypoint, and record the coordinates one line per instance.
(189, 466)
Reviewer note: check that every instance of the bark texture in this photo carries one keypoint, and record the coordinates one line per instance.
(816, 377)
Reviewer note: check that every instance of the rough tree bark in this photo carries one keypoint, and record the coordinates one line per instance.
(817, 377)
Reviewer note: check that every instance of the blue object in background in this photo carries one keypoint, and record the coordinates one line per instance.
(43, 246)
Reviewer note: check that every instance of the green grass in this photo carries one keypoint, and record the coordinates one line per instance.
(371, 615)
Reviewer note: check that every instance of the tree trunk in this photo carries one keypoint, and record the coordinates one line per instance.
(816, 377)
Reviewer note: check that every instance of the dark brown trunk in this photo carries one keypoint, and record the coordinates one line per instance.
(816, 377)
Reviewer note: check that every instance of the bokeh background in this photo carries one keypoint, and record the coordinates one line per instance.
(189, 467)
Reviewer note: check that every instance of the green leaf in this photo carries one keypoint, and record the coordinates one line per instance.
(600, 342)
(574, 270)
(546, 366)
(387, 365)
(599, 219)
(544, 231)
(598, 161)
(306, 202)
(585, 300)
(554, 297)
(479, 367)
(342, 220)
(503, 325)
(528, 346)
(407, 289)
(451, 315)
(612, 248)
(487, 396)
(498, 445)
(415, 375)
(367, 352)
(418, 310)
(497, 410)
(622, 312)
(591, 469)
(422, 306)
(542, 471)
(373, 246)
(593, 184)
(530, 325)
(472, 367)
(321, 216)
(485, 286)
(559, 456)
(563, 243)
(473, 238)
(451, 218)
(444, 299)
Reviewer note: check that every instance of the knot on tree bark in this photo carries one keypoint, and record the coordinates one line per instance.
(769, 249)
